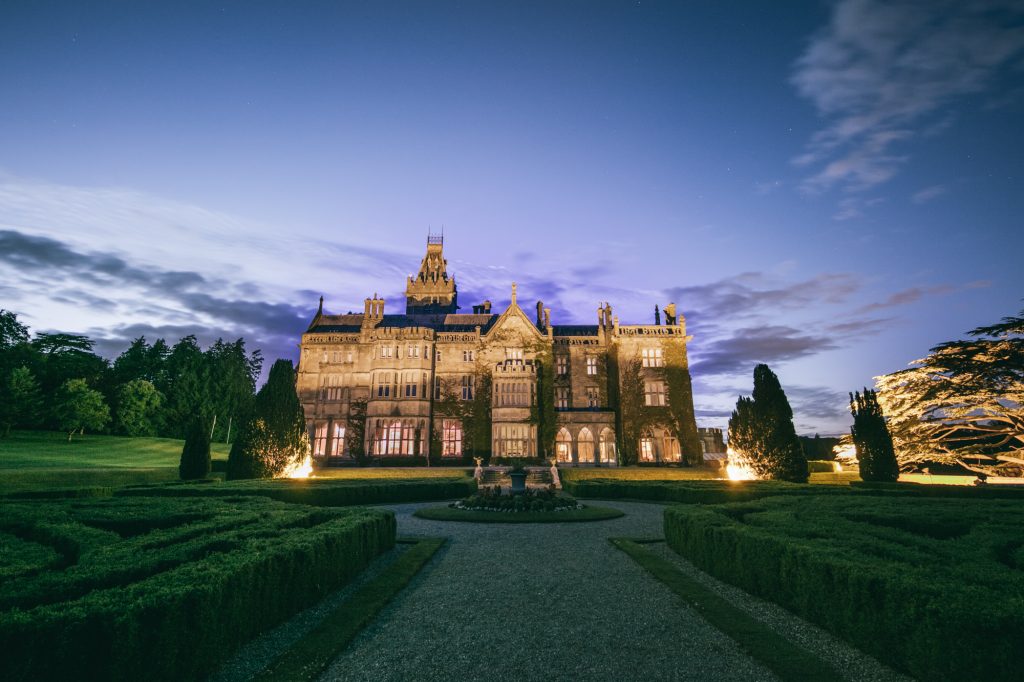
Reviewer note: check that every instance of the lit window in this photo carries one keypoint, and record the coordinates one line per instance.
(672, 452)
(451, 438)
(563, 446)
(320, 439)
(652, 357)
(591, 365)
(562, 365)
(646, 449)
(593, 396)
(654, 393)
(585, 446)
(337, 440)
(513, 353)
(607, 449)
(561, 398)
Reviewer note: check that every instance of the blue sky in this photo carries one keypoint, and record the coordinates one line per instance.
(829, 187)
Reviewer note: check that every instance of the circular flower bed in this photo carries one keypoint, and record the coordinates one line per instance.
(533, 500)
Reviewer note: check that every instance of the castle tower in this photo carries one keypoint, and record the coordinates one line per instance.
(431, 290)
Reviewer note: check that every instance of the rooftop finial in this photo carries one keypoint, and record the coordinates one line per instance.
(320, 310)
(514, 293)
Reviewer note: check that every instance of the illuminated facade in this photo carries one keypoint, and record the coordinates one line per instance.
(409, 368)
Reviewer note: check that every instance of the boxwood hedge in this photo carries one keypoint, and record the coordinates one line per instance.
(932, 586)
(693, 492)
(164, 589)
(322, 492)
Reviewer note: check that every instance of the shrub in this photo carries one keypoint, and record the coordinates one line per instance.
(927, 585)
(871, 437)
(166, 589)
(693, 492)
(324, 493)
(195, 455)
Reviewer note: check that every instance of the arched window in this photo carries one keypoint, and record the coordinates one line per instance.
(585, 446)
(607, 450)
(563, 446)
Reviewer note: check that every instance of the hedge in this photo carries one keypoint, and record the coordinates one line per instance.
(931, 586)
(660, 473)
(322, 492)
(693, 492)
(165, 589)
(983, 492)
(820, 466)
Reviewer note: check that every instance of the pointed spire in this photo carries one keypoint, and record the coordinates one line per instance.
(514, 293)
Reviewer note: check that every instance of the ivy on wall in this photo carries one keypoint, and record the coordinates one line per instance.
(679, 416)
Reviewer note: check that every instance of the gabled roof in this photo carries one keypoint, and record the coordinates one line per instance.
(574, 329)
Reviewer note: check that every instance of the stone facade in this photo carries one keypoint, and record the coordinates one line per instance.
(410, 368)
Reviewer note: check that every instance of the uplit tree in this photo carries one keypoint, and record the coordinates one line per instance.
(79, 407)
(965, 399)
(872, 439)
(762, 433)
(273, 437)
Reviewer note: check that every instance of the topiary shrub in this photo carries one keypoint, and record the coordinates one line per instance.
(195, 456)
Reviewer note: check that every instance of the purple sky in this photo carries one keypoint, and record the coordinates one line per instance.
(829, 187)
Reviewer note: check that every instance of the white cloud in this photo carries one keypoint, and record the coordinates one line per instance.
(883, 72)
(927, 194)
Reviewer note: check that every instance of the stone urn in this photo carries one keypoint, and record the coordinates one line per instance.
(518, 477)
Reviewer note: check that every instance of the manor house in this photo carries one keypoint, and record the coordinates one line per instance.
(393, 384)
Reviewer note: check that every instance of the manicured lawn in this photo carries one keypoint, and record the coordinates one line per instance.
(164, 589)
(933, 586)
(588, 513)
(39, 460)
(48, 449)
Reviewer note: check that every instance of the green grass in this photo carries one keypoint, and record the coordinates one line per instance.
(40, 460)
(933, 586)
(164, 589)
(311, 655)
(785, 659)
(588, 513)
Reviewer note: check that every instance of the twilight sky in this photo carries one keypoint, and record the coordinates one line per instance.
(829, 187)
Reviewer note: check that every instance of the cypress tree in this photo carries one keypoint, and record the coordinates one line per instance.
(872, 438)
(273, 436)
(761, 431)
(195, 456)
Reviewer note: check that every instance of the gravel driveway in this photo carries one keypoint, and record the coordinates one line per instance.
(539, 602)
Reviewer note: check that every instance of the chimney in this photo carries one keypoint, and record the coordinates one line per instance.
(547, 322)
(487, 307)
(540, 313)
(657, 314)
(366, 309)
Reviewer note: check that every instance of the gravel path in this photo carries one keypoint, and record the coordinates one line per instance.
(539, 602)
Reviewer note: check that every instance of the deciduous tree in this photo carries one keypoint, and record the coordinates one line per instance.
(79, 407)
(21, 401)
(137, 409)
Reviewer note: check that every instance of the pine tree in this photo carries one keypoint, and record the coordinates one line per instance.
(872, 439)
(274, 436)
(195, 456)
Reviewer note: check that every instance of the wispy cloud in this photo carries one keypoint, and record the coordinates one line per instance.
(883, 72)
(927, 194)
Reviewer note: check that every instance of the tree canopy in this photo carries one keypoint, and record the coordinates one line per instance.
(963, 403)
(762, 433)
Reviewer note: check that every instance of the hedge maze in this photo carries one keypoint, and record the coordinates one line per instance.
(164, 588)
(932, 586)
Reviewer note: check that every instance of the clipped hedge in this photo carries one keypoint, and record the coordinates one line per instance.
(647, 473)
(693, 492)
(820, 466)
(165, 589)
(979, 492)
(931, 586)
(323, 492)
